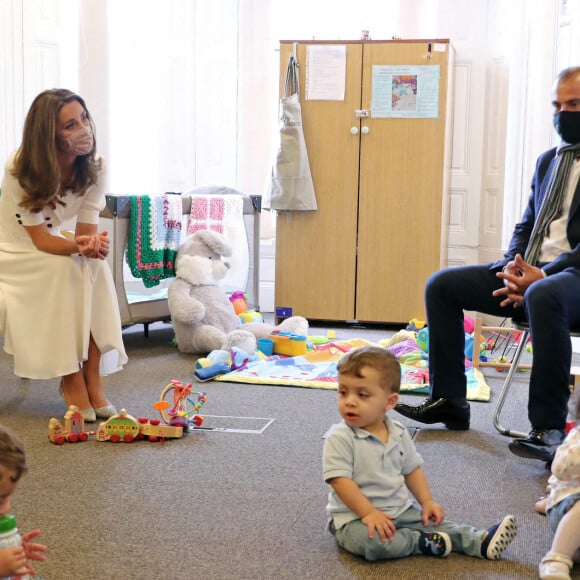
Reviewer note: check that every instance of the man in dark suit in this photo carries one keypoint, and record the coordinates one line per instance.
(538, 280)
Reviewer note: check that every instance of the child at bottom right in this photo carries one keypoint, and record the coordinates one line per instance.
(562, 504)
(373, 468)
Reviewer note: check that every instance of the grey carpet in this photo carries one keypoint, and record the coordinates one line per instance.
(225, 505)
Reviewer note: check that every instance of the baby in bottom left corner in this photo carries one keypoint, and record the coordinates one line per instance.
(15, 551)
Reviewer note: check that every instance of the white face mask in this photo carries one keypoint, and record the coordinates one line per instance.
(78, 143)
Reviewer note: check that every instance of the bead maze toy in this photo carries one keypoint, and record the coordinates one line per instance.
(179, 406)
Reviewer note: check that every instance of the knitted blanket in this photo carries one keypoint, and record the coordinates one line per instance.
(154, 237)
(224, 213)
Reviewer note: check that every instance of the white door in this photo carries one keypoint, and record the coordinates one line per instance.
(50, 46)
(39, 50)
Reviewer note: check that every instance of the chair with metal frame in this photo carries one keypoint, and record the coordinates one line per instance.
(517, 327)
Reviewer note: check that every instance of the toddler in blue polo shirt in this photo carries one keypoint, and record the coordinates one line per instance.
(371, 465)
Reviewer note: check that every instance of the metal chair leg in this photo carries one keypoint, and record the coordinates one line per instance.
(506, 387)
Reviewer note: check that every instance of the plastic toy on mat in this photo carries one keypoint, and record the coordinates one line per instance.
(220, 362)
(251, 316)
(238, 300)
(240, 304)
(179, 405)
(416, 324)
(288, 344)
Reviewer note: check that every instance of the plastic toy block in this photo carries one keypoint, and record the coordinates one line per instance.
(289, 344)
(251, 316)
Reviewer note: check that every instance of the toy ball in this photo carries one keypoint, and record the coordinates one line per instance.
(423, 339)
(468, 324)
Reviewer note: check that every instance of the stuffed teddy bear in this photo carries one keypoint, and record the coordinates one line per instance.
(203, 316)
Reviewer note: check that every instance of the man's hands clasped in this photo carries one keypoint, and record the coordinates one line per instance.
(517, 277)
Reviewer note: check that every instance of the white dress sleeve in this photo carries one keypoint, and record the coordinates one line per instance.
(94, 200)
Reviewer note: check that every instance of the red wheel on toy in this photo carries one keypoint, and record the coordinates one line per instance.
(114, 438)
(59, 440)
(83, 436)
(72, 438)
(128, 438)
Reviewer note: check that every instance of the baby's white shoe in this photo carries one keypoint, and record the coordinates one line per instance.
(555, 567)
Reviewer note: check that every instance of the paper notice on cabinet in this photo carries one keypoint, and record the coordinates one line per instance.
(405, 91)
(325, 72)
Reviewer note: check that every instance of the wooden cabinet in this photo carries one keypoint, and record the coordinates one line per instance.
(381, 185)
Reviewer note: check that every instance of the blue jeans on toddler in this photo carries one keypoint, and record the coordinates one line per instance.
(354, 537)
(556, 513)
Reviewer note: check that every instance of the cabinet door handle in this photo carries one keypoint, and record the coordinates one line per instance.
(354, 130)
(365, 130)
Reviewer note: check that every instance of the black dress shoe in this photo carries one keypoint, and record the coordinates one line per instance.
(540, 444)
(454, 414)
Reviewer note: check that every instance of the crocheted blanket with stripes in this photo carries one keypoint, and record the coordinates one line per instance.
(154, 237)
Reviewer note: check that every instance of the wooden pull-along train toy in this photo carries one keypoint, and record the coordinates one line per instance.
(178, 406)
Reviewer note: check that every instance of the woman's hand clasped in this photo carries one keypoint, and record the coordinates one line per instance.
(94, 246)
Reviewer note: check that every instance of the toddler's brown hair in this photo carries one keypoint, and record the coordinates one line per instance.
(12, 453)
(376, 357)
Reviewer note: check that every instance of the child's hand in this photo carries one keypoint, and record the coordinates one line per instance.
(377, 520)
(33, 551)
(432, 511)
(13, 561)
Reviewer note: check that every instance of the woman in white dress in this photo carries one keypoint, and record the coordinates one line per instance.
(61, 316)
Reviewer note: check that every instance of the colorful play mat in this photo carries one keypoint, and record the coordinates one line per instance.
(317, 369)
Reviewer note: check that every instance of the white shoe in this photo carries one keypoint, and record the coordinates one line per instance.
(555, 567)
(89, 415)
(105, 412)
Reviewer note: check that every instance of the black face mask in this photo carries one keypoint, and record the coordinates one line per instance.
(567, 125)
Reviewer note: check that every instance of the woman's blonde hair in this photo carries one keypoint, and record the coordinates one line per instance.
(36, 163)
